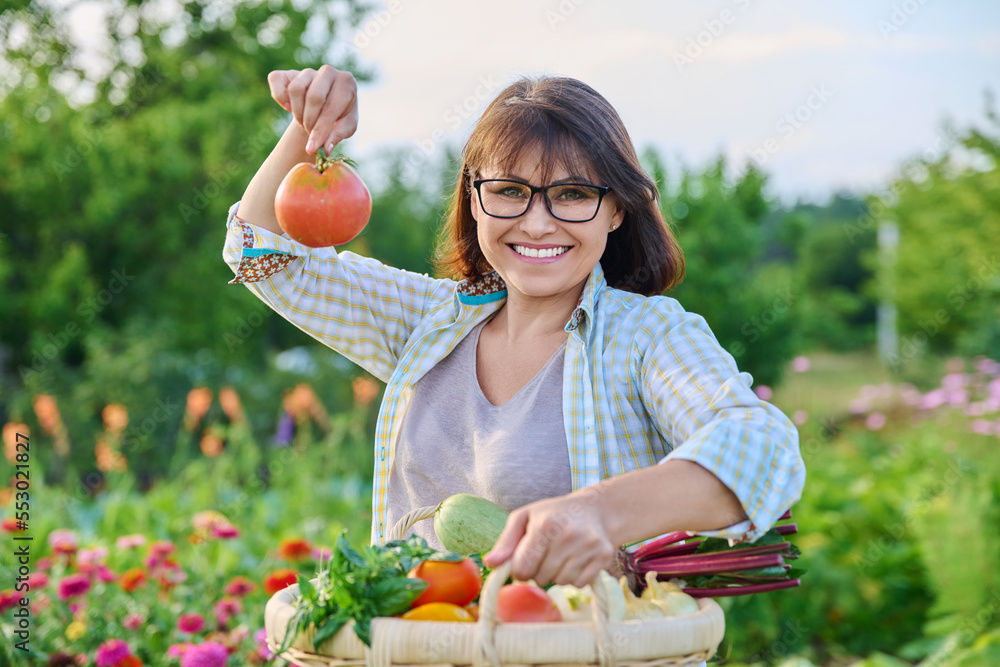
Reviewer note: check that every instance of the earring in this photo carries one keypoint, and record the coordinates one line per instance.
(614, 227)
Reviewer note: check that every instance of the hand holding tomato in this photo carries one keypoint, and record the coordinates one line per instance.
(324, 102)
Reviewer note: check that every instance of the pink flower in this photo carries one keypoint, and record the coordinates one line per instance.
(987, 366)
(801, 364)
(262, 650)
(133, 621)
(800, 417)
(956, 396)
(9, 599)
(37, 580)
(240, 586)
(104, 574)
(130, 541)
(953, 381)
(63, 541)
(73, 585)
(932, 399)
(225, 531)
(177, 650)
(982, 426)
(875, 421)
(190, 623)
(225, 609)
(93, 555)
(209, 654)
(44, 563)
(764, 392)
(158, 552)
(111, 652)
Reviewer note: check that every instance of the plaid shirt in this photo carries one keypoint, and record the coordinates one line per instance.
(644, 380)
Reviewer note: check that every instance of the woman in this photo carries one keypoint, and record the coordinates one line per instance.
(549, 377)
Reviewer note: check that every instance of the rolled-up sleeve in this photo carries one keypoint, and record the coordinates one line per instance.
(704, 408)
(355, 305)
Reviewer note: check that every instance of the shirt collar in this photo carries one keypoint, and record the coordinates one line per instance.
(491, 287)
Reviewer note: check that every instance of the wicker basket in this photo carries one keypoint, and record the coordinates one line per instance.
(669, 641)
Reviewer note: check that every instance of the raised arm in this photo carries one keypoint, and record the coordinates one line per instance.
(325, 105)
(353, 304)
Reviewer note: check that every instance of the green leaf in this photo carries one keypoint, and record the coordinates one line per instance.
(352, 556)
(307, 590)
(330, 626)
(394, 596)
(363, 629)
(295, 626)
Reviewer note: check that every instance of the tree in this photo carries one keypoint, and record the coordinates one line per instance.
(947, 273)
(114, 204)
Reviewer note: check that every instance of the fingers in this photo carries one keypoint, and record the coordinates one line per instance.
(297, 87)
(511, 534)
(338, 118)
(324, 102)
(278, 81)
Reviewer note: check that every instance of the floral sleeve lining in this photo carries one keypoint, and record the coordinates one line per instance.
(258, 263)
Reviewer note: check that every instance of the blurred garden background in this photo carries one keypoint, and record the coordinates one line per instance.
(190, 451)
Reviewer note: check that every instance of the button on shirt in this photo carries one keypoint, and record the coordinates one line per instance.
(644, 381)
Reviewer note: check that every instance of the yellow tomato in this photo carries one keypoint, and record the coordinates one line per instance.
(439, 611)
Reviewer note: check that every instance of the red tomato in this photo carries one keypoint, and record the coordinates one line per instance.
(526, 603)
(457, 582)
(322, 204)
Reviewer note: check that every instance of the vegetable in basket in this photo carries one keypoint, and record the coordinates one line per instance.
(711, 567)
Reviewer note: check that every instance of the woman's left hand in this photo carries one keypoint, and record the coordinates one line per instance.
(561, 539)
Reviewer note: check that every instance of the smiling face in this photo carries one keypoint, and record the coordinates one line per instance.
(539, 256)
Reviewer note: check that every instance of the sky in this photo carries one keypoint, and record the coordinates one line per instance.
(823, 96)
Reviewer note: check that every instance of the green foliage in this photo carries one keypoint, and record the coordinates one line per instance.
(837, 313)
(749, 303)
(141, 173)
(947, 277)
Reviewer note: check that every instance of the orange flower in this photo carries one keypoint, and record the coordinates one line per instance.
(132, 579)
(115, 416)
(279, 579)
(48, 413)
(211, 444)
(10, 439)
(299, 401)
(129, 661)
(199, 400)
(230, 402)
(365, 390)
(109, 459)
(295, 549)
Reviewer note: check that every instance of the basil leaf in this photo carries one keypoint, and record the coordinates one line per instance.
(394, 596)
(363, 629)
(328, 628)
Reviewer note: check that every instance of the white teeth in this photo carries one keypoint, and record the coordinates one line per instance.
(535, 252)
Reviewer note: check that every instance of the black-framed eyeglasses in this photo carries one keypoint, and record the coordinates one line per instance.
(569, 202)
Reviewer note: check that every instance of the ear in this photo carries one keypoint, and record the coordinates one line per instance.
(474, 203)
(619, 215)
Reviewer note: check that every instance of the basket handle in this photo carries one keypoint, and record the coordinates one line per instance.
(484, 649)
(407, 520)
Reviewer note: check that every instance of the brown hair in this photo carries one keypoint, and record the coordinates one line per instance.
(575, 127)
